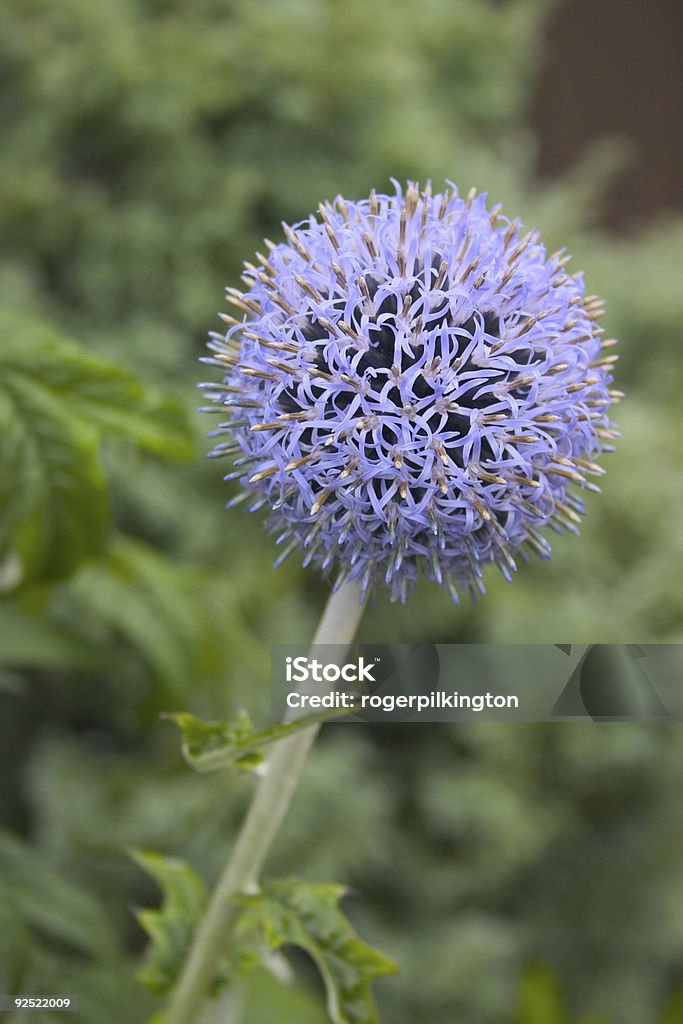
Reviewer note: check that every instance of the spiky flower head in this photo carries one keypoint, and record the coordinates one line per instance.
(413, 385)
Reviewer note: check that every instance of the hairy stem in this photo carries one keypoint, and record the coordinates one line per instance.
(269, 805)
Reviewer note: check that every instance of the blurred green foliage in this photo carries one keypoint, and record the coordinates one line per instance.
(148, 146)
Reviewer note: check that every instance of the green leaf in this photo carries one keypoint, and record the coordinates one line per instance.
(283, 913)
(44, 899)
(171, 928)
(300, 914)
(541, 1000)
(209, 746)
(146, 598)
(673, 1014)
(58, 404)
(102, 986)
(55, 937)
(30, 640)
(100, 393)
(268, 999)
(54, 510)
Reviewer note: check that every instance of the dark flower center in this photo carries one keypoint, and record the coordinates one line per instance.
(427, 310)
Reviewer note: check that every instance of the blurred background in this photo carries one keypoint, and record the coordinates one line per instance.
(519, 874)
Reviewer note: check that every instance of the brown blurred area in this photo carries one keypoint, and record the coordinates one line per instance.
(615, 68)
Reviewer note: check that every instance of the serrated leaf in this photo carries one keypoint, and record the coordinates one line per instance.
(300, 914)
(171, 927)
(209, 746)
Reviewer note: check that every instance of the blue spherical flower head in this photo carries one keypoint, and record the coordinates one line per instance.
(414, 385)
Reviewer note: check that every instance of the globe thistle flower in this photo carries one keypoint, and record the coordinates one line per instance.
(413, 385)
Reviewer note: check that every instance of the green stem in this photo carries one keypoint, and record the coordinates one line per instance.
(269, 805)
